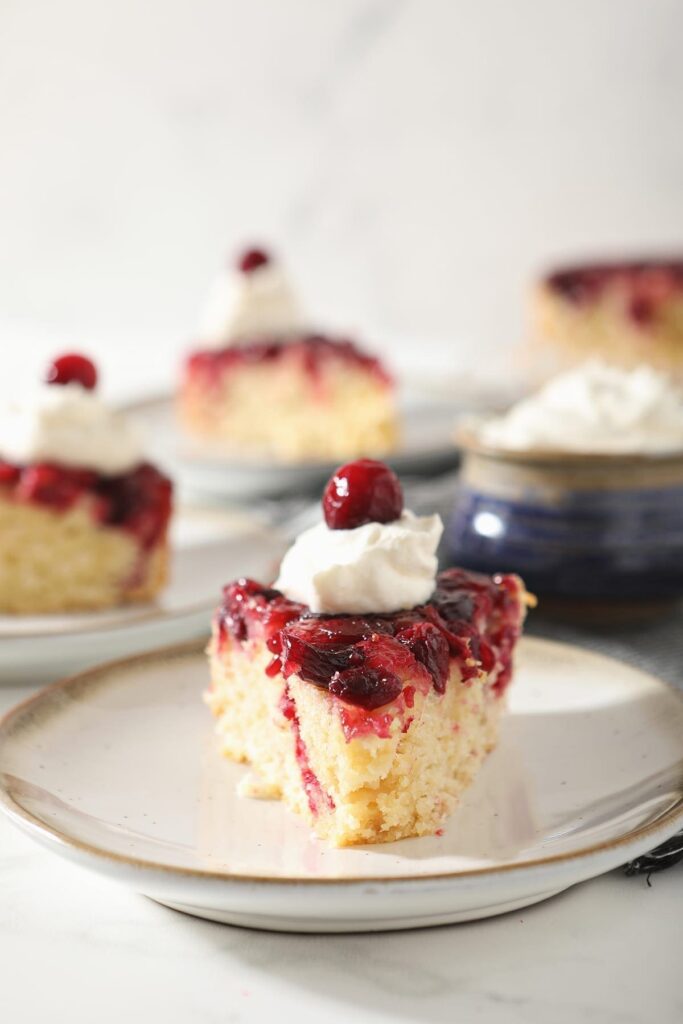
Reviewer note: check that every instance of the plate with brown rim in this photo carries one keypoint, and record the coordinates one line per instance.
(117, 770)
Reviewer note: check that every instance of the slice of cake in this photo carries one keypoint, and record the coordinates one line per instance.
(625, 312)
(363, 688)
(83, 518)
(264, 383)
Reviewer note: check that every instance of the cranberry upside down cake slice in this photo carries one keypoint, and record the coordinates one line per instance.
(261, 381)
(369, 720)
(83, 518)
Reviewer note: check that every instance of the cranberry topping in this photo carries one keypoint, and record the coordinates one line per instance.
(9, 474)
(362, 492)
(252, 259)
(642, 310)
(315, 659)
(365, 687)
(645, 284)
(249, 608)
(313, 352)
(138, 502)
(73, 369)
(430, 647)
(46, 484)
(472, 619)
(234, 598)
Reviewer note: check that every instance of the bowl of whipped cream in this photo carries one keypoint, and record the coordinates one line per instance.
(579, 488)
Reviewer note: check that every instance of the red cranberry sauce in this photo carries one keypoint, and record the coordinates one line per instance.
(371, 661)
(138, 502)
(319, 800)
(312, 351)
(645, 284)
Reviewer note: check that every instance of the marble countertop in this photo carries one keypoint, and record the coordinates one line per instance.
(77, 947)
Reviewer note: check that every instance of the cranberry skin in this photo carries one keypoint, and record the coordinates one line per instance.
(236, 598)
(9, 474)
(430, 647)
(73, 369)
(45, 484)
(252, 259)
(246, 602)
(487, 658)
(314, 352)
(365, 687)
(362, 492)
(139, 502)
(642, 310)
(314, 664)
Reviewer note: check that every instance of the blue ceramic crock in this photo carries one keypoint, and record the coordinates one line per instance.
(575, 526)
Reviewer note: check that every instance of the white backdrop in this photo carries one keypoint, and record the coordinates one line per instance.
(416, 160)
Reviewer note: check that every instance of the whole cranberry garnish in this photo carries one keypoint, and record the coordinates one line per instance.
(362, 492)
(73, 369)
(252, 259)
(365, 687)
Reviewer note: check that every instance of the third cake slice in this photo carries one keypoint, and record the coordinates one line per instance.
(625, 312)
(262, 382)
(84, 518)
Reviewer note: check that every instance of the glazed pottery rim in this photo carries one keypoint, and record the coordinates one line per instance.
(468, 440)
(20, 815)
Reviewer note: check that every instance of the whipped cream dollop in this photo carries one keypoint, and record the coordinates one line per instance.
(378, 567)
(251, 304)
(68, 425)
(595, 408)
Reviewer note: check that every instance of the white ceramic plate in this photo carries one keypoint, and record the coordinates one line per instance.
(427, 446)
(208, 547)
(117, 770)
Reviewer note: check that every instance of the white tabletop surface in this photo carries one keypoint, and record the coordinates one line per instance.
(76, 947)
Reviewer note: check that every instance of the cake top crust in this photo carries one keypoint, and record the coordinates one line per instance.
(139, 501)
(366, 659)
(646, 282)
(314, 351)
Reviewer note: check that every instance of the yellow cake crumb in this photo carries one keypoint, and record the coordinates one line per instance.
(53, 561)
(379, 789)
(276, 408)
